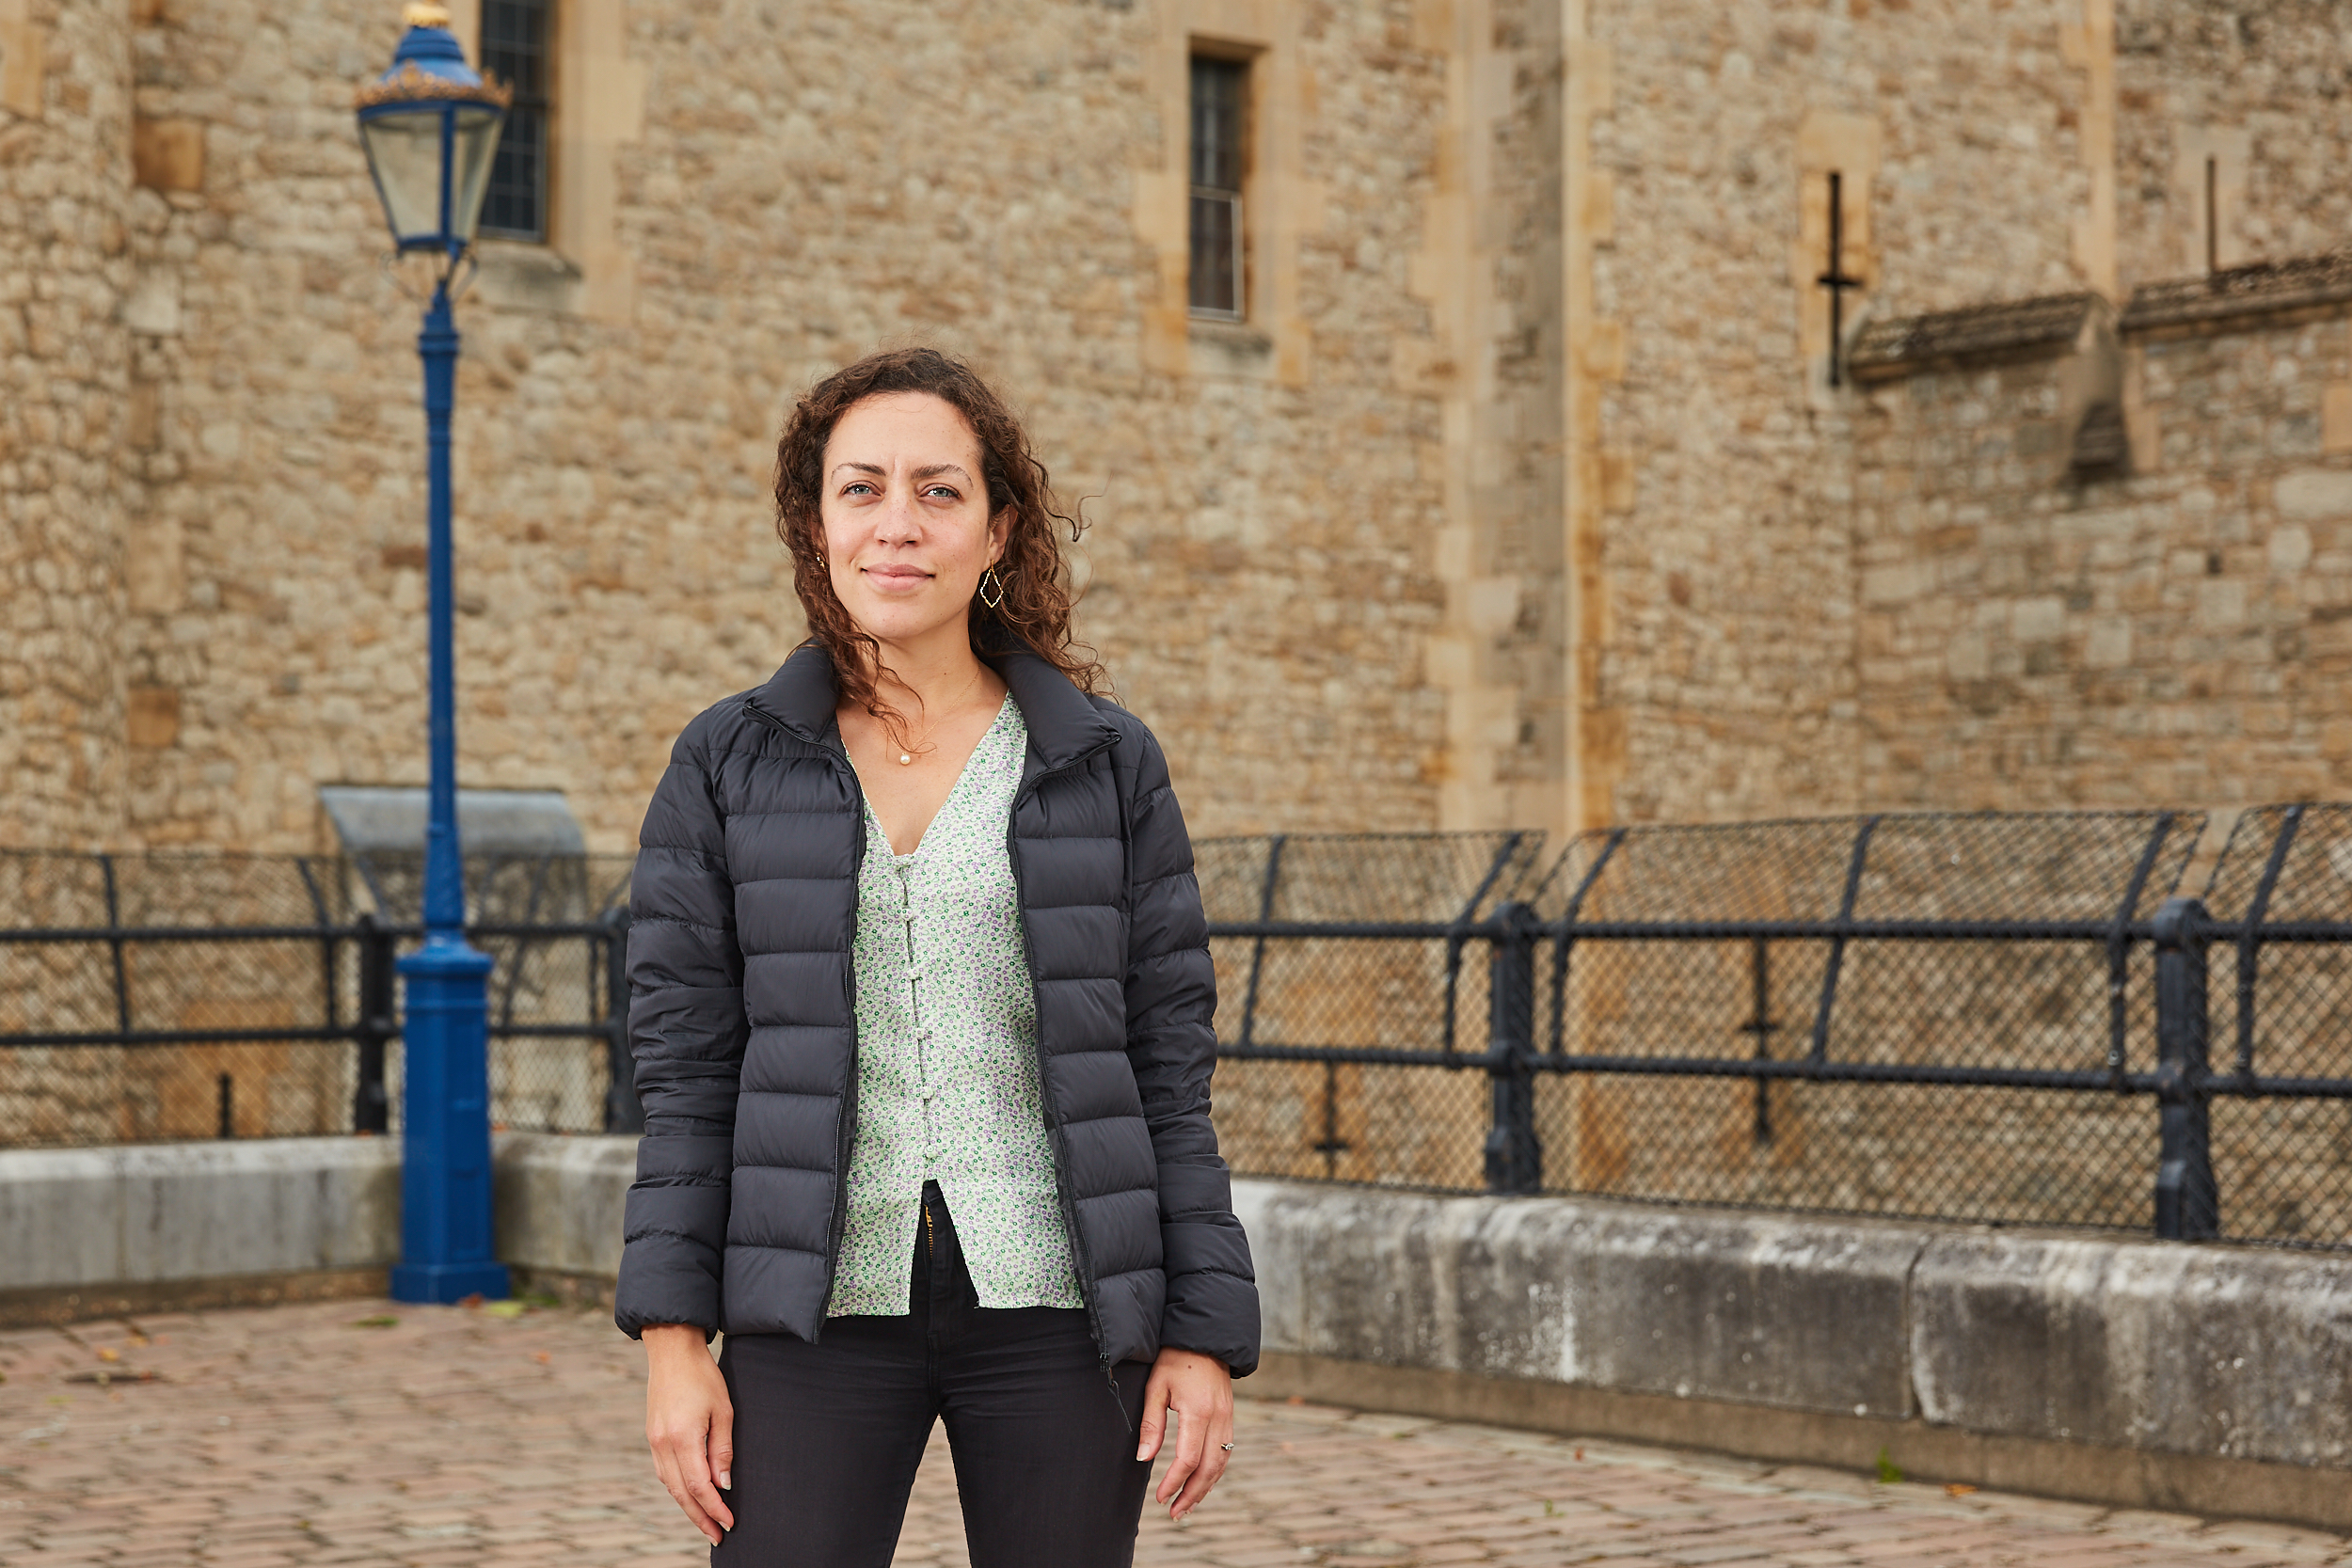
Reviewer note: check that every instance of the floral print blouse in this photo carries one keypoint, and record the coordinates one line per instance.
(946, 1057)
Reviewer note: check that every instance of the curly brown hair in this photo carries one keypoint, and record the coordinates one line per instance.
(1035, 610)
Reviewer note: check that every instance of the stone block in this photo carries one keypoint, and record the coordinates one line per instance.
(168, 154)
(558, 1200)
(1800, 1314)
(2314, 493)
(23, 64)
(152, 713)
(2336, 420)
(2201, 1350)
(153, 307)
(161, 1212)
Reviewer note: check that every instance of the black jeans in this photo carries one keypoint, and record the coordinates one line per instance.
(827, 1436)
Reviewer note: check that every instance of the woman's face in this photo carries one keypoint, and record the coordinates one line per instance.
(905, 514)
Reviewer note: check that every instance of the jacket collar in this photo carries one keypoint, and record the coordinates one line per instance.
(801, 694)
(1063, 724)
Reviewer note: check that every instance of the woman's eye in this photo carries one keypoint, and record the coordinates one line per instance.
(858, 489)
(948, 491)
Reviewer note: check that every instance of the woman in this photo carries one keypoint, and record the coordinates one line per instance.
(921, 1003)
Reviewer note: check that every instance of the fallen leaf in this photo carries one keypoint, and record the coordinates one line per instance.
(109, 1356)
(543, 1357)
(381, 1319)
(1956, 1489)
(502, 1310)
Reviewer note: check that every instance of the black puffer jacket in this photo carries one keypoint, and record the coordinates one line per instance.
(743, 907)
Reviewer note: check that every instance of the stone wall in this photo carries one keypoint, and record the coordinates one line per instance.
(1904, 595)
(1726, 637)
(2032, 636)
(1522, 497)
(2261, 90)
(1262, 569)
(67, 476)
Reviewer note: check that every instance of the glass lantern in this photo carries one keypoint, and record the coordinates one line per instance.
(430, 125)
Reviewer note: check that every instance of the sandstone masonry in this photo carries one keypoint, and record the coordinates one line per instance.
(1522, 495)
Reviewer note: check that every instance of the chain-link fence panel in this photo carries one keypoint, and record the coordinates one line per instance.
(193, 1034)
(1292, 977)
(1900, 942)
(172, 996)
(2279, 992)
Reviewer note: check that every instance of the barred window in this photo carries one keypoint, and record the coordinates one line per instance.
(1220, 129)
(517, 48)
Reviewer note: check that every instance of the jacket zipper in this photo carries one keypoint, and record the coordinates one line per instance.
(847, 1132)
(1088, 1291)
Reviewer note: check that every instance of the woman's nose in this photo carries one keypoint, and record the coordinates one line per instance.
(898, 523)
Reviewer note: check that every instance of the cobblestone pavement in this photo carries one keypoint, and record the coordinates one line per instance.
(371, 1434)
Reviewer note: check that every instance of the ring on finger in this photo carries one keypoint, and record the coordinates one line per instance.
(1226, 1446)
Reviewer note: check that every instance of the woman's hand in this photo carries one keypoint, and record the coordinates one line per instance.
(690, 1425)
(1199, 1391)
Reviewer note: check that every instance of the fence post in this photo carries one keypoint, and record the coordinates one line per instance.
(2188, 1204)
(622, 1113)
(370, 1111)
(1515, 1156)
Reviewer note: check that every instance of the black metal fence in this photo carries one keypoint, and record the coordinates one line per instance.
(161, 996)
(2005, 1017)
(1999, 1018)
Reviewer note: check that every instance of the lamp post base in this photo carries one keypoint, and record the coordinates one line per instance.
(440, 1284)
(446, 1241)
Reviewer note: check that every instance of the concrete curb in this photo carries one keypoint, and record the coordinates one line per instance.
(2209, 1379)
(98, 1233)
(143, 1213)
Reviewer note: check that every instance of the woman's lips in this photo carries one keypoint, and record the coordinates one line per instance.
(898, 576)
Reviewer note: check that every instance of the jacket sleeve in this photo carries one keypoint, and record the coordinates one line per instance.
(686, 1030)
(1171, 1041)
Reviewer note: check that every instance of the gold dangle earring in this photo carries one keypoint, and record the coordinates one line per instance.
(989, 579)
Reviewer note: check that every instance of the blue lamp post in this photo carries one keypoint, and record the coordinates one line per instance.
(430, 126)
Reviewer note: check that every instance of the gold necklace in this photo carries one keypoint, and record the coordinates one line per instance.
(905, 758)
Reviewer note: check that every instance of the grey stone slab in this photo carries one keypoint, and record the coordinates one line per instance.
(2203, 1350)
(194, 1211)
(1800, 1313)
(559, 1200)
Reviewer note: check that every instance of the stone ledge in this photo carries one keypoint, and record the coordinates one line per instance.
(2002, 333)
(2221, 1350)
(162, 1222)
(148, 1212)
(2268, 293)
(2162, 1357)
(1757, 1309)
(558, 1202)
